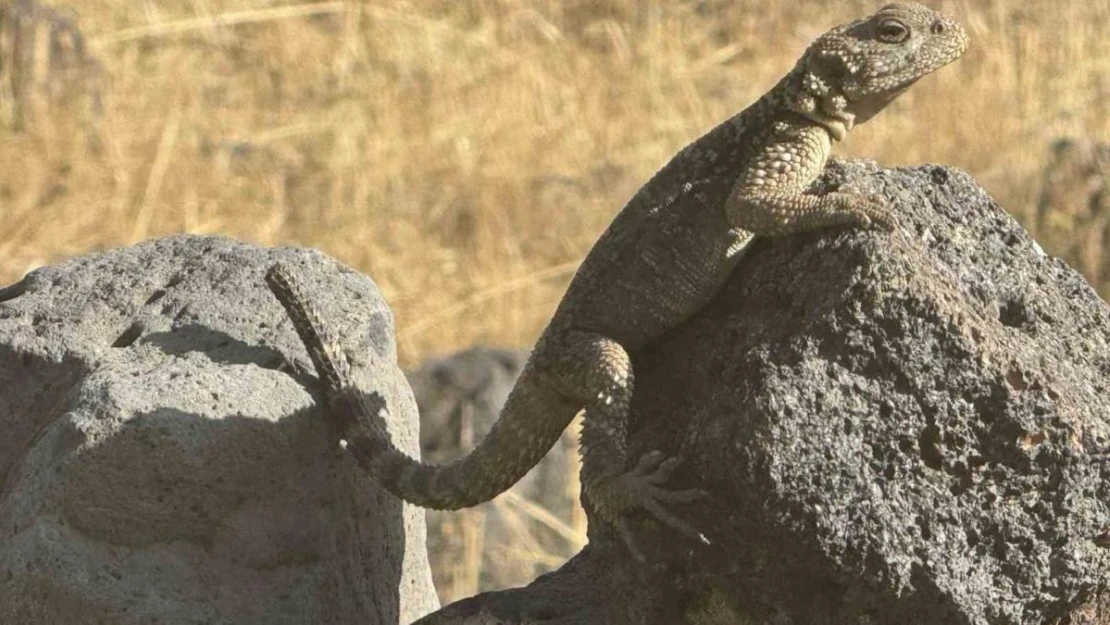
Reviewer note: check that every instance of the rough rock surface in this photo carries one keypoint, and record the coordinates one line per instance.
(509, 541)
(895, 429)
(160, 463)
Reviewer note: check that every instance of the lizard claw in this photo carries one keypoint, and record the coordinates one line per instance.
(641, 488)
(871, 211)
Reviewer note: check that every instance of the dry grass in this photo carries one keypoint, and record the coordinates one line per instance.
(465, 153)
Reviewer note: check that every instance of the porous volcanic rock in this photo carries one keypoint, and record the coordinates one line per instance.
(161, 460)
(908, 428)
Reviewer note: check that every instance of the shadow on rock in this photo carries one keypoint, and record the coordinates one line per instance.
(180, 475)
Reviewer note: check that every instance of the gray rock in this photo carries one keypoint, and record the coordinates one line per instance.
(511, 540)
(161, 463)
(910, 428)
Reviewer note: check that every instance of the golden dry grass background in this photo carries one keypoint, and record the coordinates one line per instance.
(465, 153)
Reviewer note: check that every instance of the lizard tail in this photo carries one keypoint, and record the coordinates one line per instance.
(532, 420)
(530, 423)
(334, 370)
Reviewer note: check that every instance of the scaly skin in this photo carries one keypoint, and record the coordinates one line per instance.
(661, 260)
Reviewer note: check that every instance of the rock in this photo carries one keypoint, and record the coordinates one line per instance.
(160, 462)
(910, 428)
(511, 540)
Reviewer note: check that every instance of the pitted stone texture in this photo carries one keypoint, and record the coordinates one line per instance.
(908, 429)
(162, 463)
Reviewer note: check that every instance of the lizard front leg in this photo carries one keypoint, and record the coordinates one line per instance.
(598, 370)
(771, 213)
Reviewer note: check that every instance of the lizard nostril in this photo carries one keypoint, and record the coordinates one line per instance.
(938, 28)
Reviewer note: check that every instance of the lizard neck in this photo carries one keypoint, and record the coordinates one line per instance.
(837, 127)
(807, 94)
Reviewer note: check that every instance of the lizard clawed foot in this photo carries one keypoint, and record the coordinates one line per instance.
(869, 211)
(642, 488)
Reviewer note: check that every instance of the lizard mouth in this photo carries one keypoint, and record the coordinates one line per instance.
(867, 106)
(859, 110)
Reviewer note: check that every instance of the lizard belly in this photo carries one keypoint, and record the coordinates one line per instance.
(663, 280)
(685, 277)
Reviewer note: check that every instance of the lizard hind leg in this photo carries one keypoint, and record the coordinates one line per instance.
(598, 369)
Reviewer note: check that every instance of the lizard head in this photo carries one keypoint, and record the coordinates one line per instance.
(853, 71)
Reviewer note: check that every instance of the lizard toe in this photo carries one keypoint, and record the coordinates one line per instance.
(658, 511)
(663, 472)
(879, 216)
(649, 462)
(620, 498)
(629, 540)
(689, 495)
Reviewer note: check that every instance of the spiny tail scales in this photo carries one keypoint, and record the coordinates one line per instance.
(334, 369)
(538, 418)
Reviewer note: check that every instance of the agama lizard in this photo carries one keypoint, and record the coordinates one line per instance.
(661, 260)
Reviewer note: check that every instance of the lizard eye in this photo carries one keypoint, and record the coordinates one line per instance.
(893, 31)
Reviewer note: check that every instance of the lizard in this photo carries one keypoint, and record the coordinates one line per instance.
(663, 257)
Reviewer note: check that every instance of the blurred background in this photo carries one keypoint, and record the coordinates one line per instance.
(466, 153)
